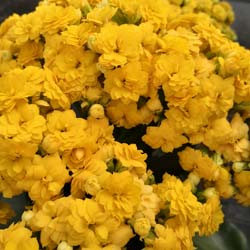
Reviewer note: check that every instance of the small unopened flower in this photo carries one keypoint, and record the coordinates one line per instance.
(97, 111)
(239, 166)
(27, 216)
(142, 226)
(209, 192)
(64, 246)
(92, 185)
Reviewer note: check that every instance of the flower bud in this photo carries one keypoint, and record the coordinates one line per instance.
(27, 216)
(64, 246)
(92, 185)
(142, 226)
(97, 111)
(50, 144)
(209, 192)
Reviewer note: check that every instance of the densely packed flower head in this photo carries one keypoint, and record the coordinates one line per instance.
(90, 91)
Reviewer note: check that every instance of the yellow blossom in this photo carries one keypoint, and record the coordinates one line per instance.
(182, 203)
(183, 234)
(86, 179)
(64, 246)
(18, 237)
(176, 74)
(67, 219)
(45, 178)
(223, 184)
(243, 188)
(211, 216)
(30, 52)
(165, 137)
(27, 27)
(131, 158)
(221, 92)
(23, 124)
(230, 139)
(18, 84)
(101, 14)
(166, 238)
(149, 205)
(63, 128)
(142, 226)
(97, 111)
(122, 235)
(127, 83)
(128, 115)
(120, 195)
(15, 157)
(77, 35)
(193, 160)
(50, 15)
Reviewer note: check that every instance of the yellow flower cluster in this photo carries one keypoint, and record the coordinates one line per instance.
(85, 86)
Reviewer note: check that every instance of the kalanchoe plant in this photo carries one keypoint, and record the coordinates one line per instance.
(93, 94)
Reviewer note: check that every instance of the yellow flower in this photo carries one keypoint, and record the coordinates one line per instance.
(27, 27)
(15, 158)
(6, 213)
(97, 111)
(128, 115)
(75, 158)
(64, 246)
(101, 14)
(127, 83)
(30, 52)
(111, 60)
(203, 67)
(53, 92)
(23, 124)
(176, 74)
(193, 160)
(45, 178)
(142, 226)
(67, 219)
(18, 84)
(92, 168)
(165, 137)
(66, 130)
(223, 184)
(131, 158)
(54, 220)
(120, 195)
(149, 205)
(55, 18)
(17, 237)
(211, 35)
(183, 234)
(211, 216)
(242, 89)
(230, 139)
(157, 12)
(121, 235)
(101, 133)
(182, 203)
(166, 238)
(77, 35)
(243, 188)
(221, 93)
(74, 70)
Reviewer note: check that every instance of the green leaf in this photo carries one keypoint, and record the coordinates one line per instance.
(228, 238)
